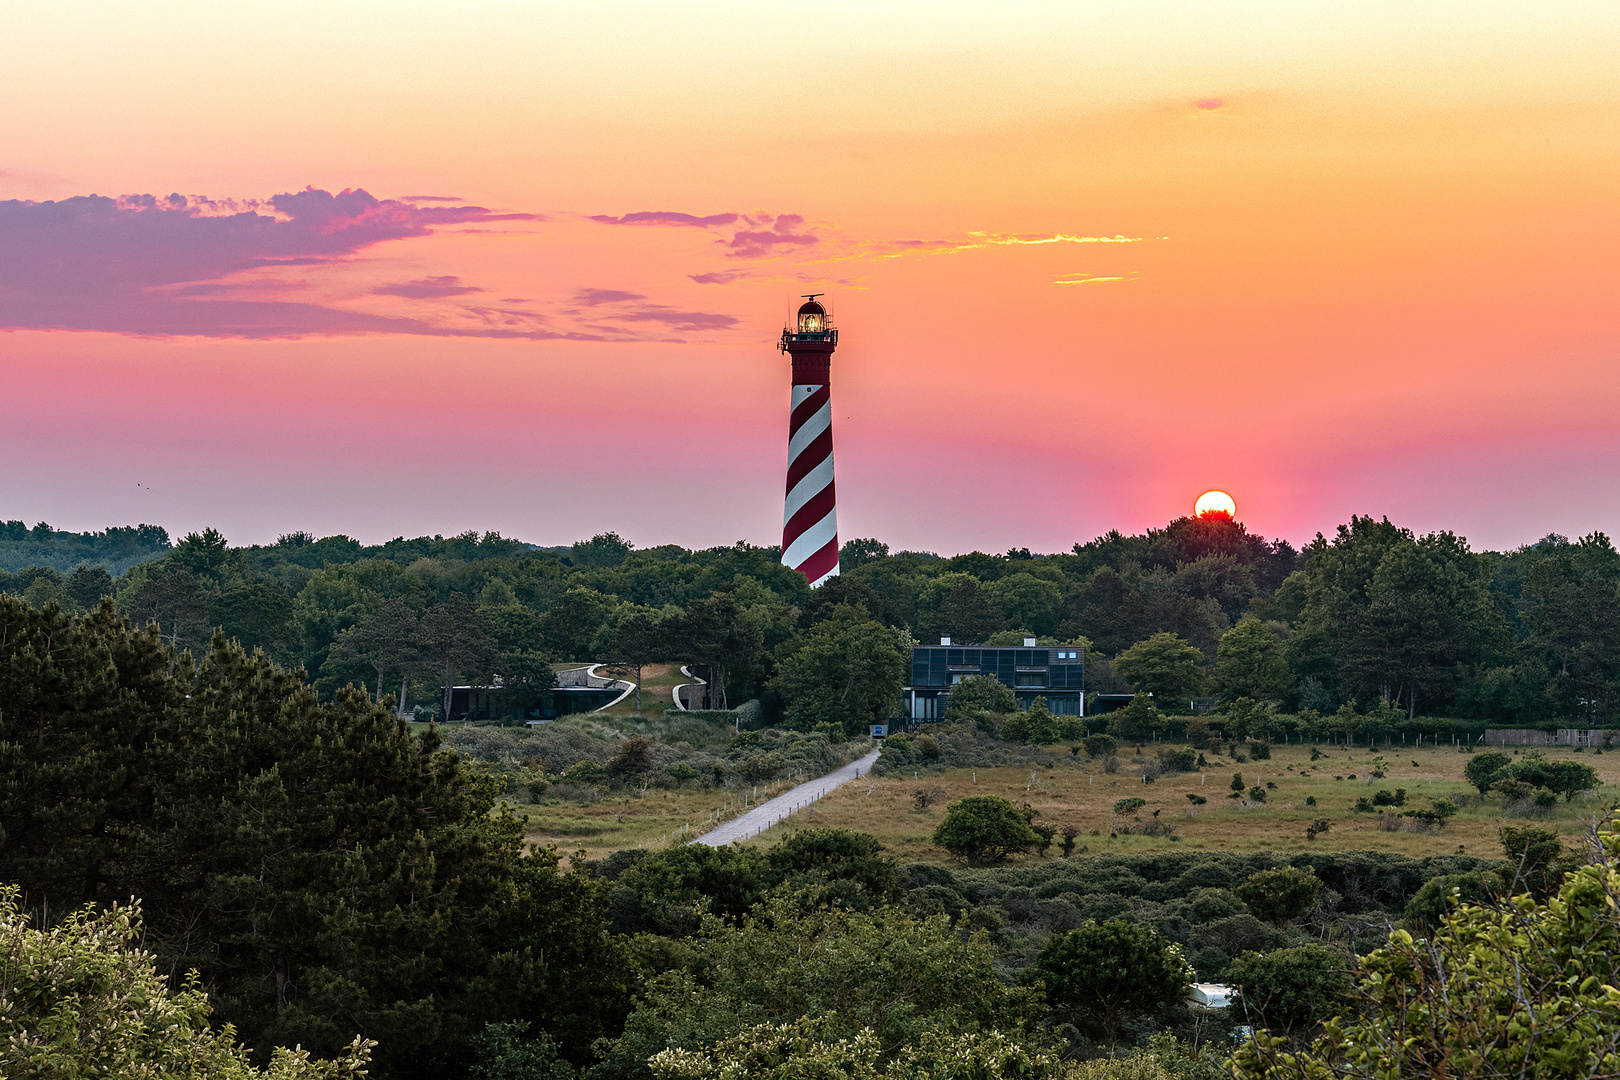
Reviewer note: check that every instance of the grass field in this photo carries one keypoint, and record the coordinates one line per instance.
(650, 819)
(1076, 793)
(1068, 792)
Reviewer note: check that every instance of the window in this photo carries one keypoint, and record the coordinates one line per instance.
(1031, 679)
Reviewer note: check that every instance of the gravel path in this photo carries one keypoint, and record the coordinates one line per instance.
(767, 814)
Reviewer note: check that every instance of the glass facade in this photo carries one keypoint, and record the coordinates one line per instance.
(1058, 675)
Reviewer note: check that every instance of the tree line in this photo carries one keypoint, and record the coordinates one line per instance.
(1376, 615)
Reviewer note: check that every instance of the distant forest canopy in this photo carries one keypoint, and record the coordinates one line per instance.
(1373, 614)
(115, 550)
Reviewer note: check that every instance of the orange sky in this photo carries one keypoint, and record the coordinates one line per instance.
(1371, 269)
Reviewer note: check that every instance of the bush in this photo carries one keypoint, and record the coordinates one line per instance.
(758, 768)
(1102, 973)
(1101, 745)
(1178, 761)
(78, 1001)
(1136, 721)
(980, 694)
(633, 758)
(584, 774)
(1281, 895)
(1440, 895)
(1539, 998)
(985, 828)
(1289, 990)
(811, 1047)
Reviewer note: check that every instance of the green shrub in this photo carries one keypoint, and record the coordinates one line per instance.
(1539, 998)
(984, 828)
(1282, 895)
(1102, 973)
(81, 1000)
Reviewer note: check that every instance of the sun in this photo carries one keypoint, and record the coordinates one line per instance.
(1215, 502)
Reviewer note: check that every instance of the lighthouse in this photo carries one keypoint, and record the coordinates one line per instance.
(810, 518)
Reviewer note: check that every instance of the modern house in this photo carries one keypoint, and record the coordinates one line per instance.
(578, 690)
(1057, 673)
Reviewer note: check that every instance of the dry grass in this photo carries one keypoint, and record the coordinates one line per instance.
(1078, 793)
(650, 819)
(1071, 793)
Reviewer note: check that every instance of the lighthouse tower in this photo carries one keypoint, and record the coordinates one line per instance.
(810, 519)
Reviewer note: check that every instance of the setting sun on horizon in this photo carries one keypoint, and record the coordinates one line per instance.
(1215, 502)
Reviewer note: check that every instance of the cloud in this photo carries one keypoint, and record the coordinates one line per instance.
(666, 217)
(678, 320)
(629, 307)
(780, 239)
(1014, 239)
(1209, 103)
(148, 265)
(718, 277)
(429, 288)
(595, 297)
(1084, 279)
(977, 241)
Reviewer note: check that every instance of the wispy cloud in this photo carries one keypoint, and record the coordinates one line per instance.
(147, 265)
(976, 241)
(667, 217)
(596, 297)
(617, 306)
(718, 277)
(286, 267)
(786, 234)
(759, 235)
(1094, 279)
(1015, 239)
(428, 288)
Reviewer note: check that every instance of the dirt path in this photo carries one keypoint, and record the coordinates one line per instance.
(766, 814)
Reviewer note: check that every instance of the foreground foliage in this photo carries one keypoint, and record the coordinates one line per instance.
(806, 1049)
(1526, 989)
(325, 872)
(896, 977)
(77, 1001)
(1102, 972)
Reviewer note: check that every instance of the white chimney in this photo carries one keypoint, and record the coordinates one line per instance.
(1029, 643)
(944, 641)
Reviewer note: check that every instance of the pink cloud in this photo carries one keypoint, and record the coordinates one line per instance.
(666, 217)
(629, 307)
(429, 288)
(146, 265)
(1210, 103)
(593, 297)
(758, 244)
(718, 277)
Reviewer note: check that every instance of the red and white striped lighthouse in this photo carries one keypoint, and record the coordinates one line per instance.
(810, 519)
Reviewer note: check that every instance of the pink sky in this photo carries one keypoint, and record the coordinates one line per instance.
(1087, 262)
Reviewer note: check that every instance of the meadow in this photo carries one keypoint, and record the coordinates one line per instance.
(1069, 790)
